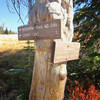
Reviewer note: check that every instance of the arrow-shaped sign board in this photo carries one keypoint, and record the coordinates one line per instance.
(42, 30)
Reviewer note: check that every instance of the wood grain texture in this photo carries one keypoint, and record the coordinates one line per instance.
(43, 30)
(49, 79)
(46, 82)
(66, 52)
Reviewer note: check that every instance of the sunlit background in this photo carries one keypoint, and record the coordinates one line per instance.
(8, 17)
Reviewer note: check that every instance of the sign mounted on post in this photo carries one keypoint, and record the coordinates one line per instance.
(42, 30)
(64, 52)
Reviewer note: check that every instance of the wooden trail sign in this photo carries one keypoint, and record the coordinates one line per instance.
(64, 52)
(42, 30)
(49, 78)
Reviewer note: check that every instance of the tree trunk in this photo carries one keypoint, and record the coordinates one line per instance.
(49, 79)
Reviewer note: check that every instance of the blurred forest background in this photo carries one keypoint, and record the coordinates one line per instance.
(5, 31)
(16, 62)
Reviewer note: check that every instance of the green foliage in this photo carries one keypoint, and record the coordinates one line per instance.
(87, 25)
(30, 51)
(87, 22)
(6, 31)
(10, 32)
(87, 18)
(16, 72)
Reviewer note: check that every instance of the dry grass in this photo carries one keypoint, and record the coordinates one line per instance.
(11, 44)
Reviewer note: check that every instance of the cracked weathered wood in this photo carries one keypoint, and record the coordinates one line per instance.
(42, 30)
(64, 52)
(48, 80)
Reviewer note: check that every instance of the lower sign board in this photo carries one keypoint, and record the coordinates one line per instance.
(65, 52)
(42, 30)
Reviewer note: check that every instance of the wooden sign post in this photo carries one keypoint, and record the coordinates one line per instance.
(50, 72)
(61, 51)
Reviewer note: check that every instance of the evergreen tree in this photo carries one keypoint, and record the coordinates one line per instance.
(87, 25)
(6, 31)
(87, 19)
(10, 32)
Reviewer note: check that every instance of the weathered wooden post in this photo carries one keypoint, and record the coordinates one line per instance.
(51, 26)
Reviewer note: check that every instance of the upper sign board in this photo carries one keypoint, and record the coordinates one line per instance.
(42, 30)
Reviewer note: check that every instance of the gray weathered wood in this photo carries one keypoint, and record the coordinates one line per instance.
(43, 30)
(65, 52)
(48, 81)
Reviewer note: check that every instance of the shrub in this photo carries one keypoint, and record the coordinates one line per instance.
(78, 92)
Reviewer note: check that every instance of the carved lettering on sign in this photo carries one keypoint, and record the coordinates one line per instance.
(43, 30)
